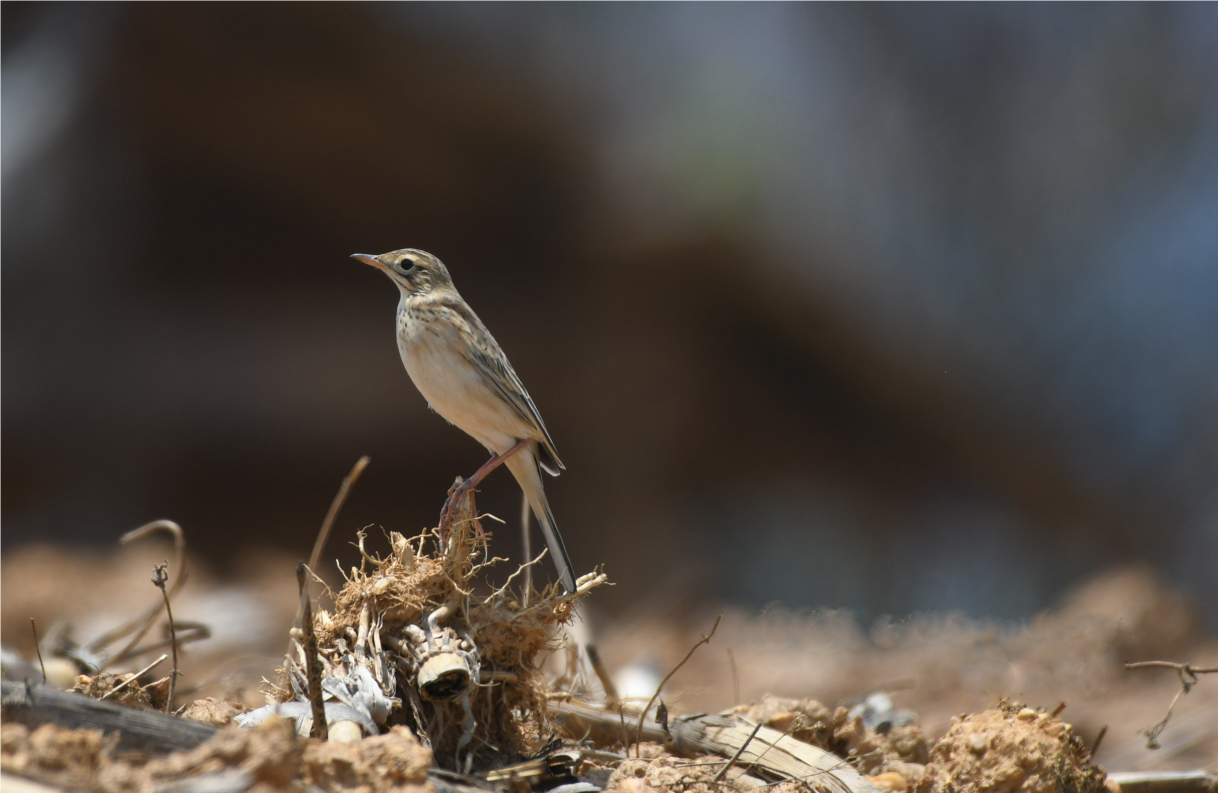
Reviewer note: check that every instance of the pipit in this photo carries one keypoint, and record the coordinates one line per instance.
(463, 374)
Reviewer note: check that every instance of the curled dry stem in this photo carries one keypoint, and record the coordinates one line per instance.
(141, 625)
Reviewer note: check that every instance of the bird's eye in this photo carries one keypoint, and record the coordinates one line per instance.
(406, 265)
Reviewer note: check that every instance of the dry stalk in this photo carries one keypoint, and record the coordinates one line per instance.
(336, 505)
(312, 668)
(705, 640)
(736, 756)
(327, 525)
(1095, 746)
(602, 674)
(526, 544)
(38, 649)
(159, 577)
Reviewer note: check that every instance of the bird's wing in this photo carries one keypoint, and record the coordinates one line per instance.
(486, 356)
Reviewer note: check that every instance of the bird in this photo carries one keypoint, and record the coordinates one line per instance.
(464, 375)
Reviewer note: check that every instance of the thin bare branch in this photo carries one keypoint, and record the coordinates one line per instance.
(638, 736)
(602, 674)
(340, 498)
(1188, 678)
(1187, 669)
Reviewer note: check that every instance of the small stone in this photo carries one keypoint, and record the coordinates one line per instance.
(890, 782)
(977, 743)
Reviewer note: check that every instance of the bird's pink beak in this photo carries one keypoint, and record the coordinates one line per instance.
(369, 259)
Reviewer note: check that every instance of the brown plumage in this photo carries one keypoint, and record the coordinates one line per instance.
(462, 372)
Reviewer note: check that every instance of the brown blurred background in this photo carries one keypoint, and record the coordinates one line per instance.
(888, 308)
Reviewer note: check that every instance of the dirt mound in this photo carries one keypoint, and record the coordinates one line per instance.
(269, 756)
(1011, 748)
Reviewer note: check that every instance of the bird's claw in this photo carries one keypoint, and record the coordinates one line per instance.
(456, 494)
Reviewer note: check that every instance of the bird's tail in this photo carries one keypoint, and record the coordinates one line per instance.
(523, 466)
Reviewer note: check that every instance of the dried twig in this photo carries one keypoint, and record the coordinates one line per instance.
(736, 756)
(159, 577)
(38, 649)
(1095, 746)
(705, 639)
(312, 668)
(135, 677)
(336, 505)
(1188, 677)
(1187, 669)
(602, 674)
(327, 525)
(526, 545)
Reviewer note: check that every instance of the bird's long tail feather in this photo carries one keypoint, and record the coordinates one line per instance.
(523, 466)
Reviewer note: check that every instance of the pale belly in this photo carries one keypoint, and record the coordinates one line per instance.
(457, 391)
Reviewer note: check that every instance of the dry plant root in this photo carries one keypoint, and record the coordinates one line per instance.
(409, 643)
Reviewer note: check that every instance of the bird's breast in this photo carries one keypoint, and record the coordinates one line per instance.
(433, 352)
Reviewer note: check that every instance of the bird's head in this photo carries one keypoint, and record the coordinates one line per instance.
(415, 272)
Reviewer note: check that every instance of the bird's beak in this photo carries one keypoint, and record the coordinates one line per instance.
(369, 259)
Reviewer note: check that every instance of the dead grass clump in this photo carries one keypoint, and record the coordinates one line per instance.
(1011, 748)
(462, 669)
(401, 587)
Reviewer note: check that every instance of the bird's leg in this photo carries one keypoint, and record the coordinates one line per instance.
(457, 492)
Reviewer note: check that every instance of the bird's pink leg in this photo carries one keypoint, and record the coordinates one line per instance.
(457, 492)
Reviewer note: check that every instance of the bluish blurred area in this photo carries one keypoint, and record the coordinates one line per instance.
(888, 307)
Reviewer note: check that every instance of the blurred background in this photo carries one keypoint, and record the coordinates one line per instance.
(888, 308)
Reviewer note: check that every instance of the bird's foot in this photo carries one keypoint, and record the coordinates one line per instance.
(456, 502)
